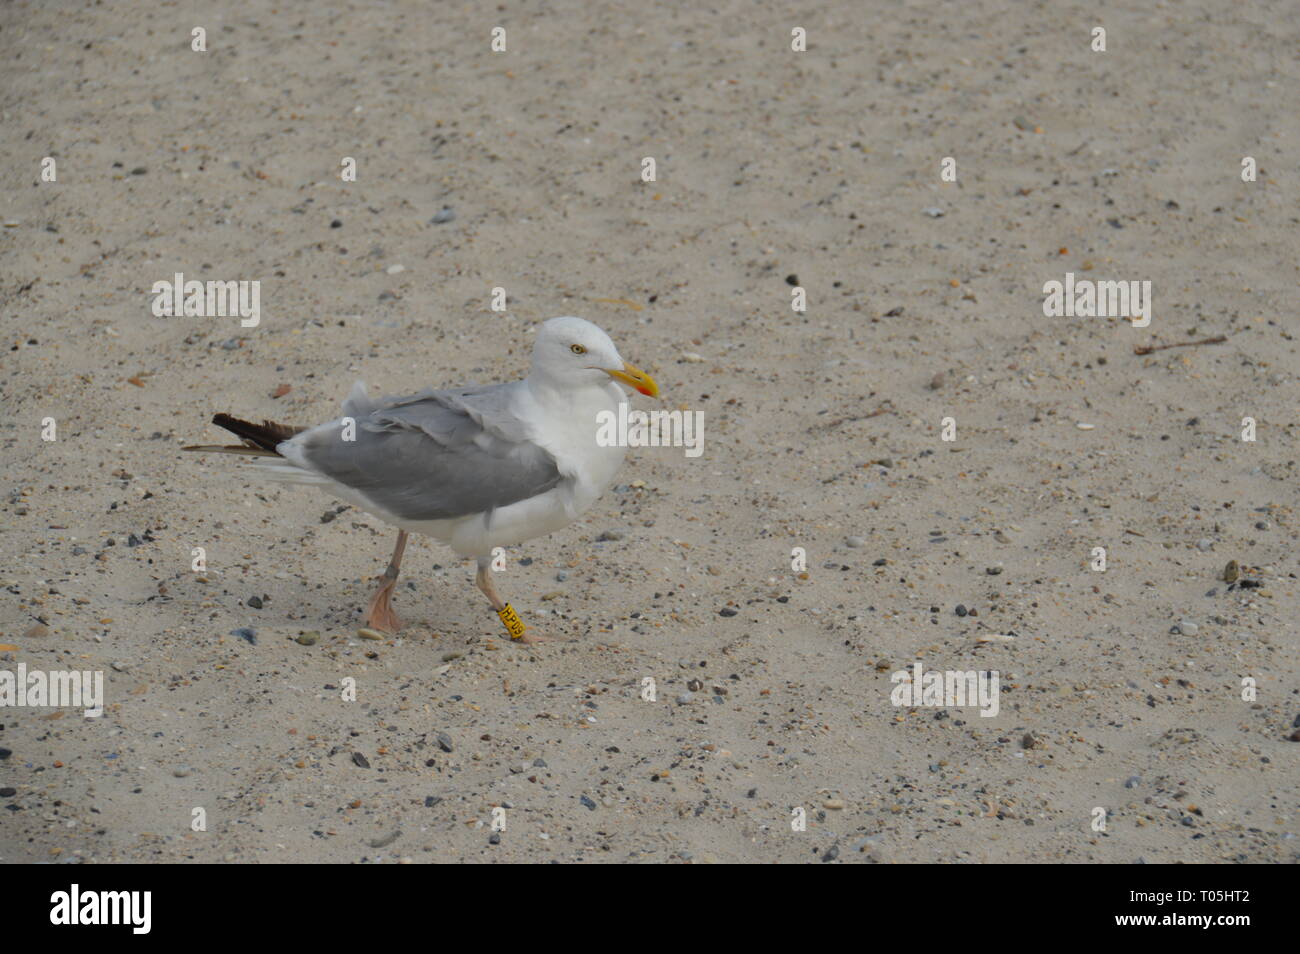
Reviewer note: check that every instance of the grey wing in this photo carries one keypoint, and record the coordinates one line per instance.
(432, 456)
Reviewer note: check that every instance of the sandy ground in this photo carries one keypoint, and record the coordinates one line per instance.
(1121, 691)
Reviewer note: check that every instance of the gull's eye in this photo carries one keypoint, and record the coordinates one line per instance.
(577, 349)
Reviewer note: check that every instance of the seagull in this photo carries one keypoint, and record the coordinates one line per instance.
(474, 467)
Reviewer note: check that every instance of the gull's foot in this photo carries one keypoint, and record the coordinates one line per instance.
(379, 614)
(532, 638)
(515, 628)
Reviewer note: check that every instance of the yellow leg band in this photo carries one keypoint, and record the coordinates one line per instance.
(514, 625)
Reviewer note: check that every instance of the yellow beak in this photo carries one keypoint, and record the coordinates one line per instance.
(636, 379)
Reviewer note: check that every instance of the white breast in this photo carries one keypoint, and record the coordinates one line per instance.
(588, 470)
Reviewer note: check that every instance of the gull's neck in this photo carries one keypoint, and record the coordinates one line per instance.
(568, 397)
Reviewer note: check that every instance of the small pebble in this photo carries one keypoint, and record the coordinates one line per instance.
(855, 543)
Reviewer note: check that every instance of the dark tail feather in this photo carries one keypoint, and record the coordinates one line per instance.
(259, 439)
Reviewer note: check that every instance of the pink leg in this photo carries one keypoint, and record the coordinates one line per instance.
(379, 615)
(484, 582)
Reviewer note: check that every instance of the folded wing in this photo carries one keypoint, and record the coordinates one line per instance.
(430, 456)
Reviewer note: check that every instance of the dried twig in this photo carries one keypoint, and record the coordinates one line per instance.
(1147, 349)
(886, 408)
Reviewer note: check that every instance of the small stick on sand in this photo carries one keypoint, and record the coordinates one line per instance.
(886, 408)
(1147, 349)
